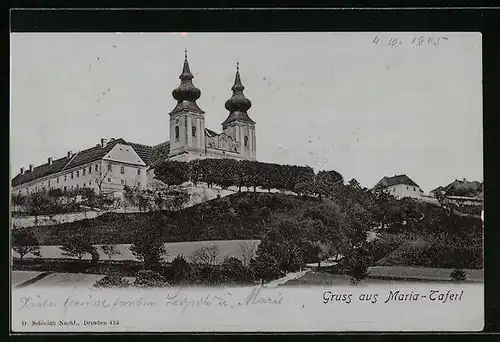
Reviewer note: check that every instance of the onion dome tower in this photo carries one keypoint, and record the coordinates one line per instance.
(186, 93)
(238, 104)
(238, 124)
(187, 121)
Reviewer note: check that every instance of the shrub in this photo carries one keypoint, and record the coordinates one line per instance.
(234, 271)
(265, 267)
(357, 264)
(179, 270)
(112, 280)
(148, 278)
(458, 275)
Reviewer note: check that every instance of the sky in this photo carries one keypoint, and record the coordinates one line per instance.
(342, 101)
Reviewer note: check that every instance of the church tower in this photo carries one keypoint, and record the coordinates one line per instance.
(238, 124)
(187, 121)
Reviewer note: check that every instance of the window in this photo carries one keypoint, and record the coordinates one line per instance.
(176, 133)
(138, 183)
(65, 178)
(84, 184)
(72, 175)
(407, 187)
(90, 169)
(246, 141)
(65, 188)
(193, 131)
(57, 180)
(83, 172)
(77, 174)
(97, 167)
(123, 182)
(122, 169)
(78, 186)
(90, 181)
(109, 180)
(110, 167)
(138, 171)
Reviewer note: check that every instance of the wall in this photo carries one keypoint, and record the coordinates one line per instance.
(185, 122)
(402, 190)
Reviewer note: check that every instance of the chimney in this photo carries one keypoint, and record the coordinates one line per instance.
(22, 170)
(104, 142)
(49, 161)
(31, 167)
(70, 154)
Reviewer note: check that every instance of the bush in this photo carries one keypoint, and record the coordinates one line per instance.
(234, 271)
(148, 278)
(458, 275)
(179, 270)
(112, 280)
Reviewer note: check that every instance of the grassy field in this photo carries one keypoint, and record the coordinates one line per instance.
(227, 248)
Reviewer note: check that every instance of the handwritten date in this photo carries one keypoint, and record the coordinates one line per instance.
(415, 41)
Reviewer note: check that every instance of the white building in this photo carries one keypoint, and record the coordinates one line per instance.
(106, 167)
(109, 166)
(400, 186)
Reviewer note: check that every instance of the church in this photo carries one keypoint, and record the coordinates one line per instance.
(112, 164)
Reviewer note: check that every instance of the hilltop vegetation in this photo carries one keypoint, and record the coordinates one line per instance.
(302, 229)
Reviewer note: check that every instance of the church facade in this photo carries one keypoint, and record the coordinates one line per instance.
(112, 164)
(190, 139)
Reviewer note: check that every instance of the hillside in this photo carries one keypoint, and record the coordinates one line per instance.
(241, 216)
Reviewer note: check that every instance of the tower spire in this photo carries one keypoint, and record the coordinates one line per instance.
(238, 104)
(186, 93)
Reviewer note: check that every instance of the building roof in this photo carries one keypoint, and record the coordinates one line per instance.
(395, 180)
(461, 188)
(40, 171)
(92, 154)
(148, 154)
(210, 133)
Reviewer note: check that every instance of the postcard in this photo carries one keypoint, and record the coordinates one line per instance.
(246, 182)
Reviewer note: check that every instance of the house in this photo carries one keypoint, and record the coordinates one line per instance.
(111, 165)
(399, 186)
(106, 168)
(461, 192)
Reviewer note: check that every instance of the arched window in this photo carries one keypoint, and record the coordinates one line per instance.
(193, 130)
(176, 133)
(246, 140)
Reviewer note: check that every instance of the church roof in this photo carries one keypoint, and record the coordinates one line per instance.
(395, 180)
(186, 93)
(238, 104)
(210, 133)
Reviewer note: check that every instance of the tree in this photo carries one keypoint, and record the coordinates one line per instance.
(179, 269)
(206, 255)
(77, 246)
(172, 172)
(286, 243)
(247, 252)
(148, 246)
(265, 267)
(25, 242)
(100, 177)
(110, 250)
